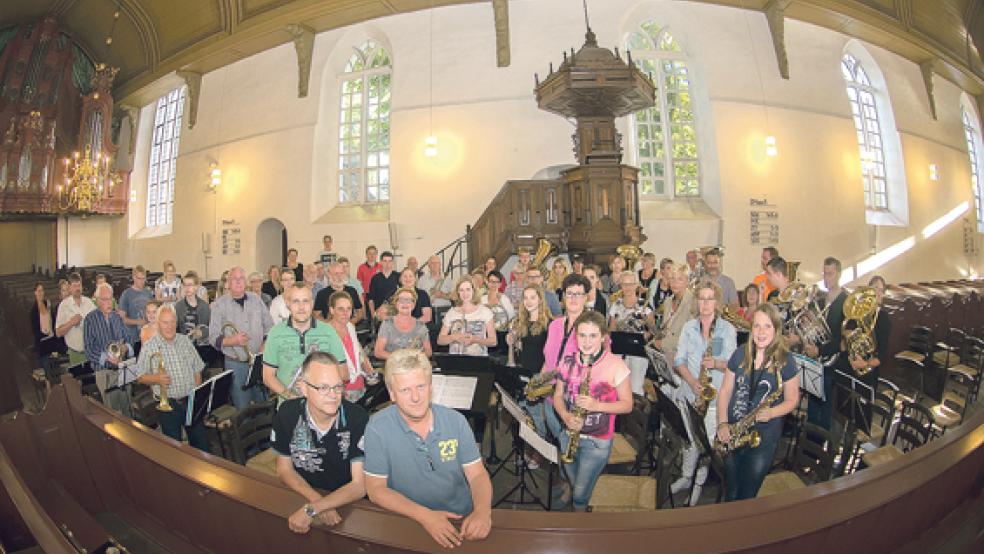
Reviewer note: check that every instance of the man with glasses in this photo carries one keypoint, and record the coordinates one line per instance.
(422, 460)
(337, 282)
(102, 327)
(535, 277)
(318, 439)
(291, 340)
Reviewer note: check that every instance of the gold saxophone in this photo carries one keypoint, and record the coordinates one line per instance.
(707, 390)
(229, 329)
(860, 316)
(164, 405)
(743, 432)
(540, 385)
(574, 438)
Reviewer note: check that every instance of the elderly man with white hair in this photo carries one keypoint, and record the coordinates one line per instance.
(182, 373)
(246, 312)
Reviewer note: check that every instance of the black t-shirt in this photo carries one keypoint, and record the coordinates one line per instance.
(321, 300)
(744, 399)
(423, 301)
(269, 289)
(600, 305)
(382, 287)
(660, 295)
(299, 272)
(646, 282)
(531, 356)
(325, 462)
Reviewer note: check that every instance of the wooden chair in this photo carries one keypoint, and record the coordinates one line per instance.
(630, 442)
(813, 462)
(915, 427)
(251, 430)
(921, 345)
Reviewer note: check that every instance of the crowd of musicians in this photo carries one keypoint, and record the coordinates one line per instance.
(726, 354)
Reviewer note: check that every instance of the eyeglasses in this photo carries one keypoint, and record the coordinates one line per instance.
(573, 294)
(704, 299)
(325, 389)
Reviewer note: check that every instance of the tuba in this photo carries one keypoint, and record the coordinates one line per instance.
(810, 322)
(164, 405)
(860, 316)
(544, 250)
(229, 329)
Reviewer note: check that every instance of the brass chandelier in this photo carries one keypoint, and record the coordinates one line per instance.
(88, 180)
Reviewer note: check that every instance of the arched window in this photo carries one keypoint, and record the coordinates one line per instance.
(665, 135)
(364, 127)
(865, 112)
(163, 157)
(972, 132)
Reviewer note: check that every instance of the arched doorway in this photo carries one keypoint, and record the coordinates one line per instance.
(271, 244)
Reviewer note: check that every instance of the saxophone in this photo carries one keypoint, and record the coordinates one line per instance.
(744, 433)
(707, 390)
(540, 385)
(574, 439)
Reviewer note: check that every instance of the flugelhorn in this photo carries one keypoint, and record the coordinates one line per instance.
(164, 405)
(229, 329)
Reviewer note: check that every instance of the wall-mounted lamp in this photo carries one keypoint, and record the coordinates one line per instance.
(133, 195)
(430, 146)
(215, 176)
(770, 146)
(934, 172)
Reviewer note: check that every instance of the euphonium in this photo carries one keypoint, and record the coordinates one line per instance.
(631, 254)
(860, 316)
(732, 317)
(574, 438)
(544, 249)
(743, 432)
(540, 385)
(229, 329)
(707, 390)
(164, 405)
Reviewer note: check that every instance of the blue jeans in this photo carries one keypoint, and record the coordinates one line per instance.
(746, 468)
(242, 398)
(589, 461)
(544, 418)
(173, 421)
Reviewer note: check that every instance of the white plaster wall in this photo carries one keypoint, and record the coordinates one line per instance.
(278, 152)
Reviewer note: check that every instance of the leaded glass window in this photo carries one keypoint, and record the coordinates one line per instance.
(665, 135)
(864, 110)
(163, 157)
(364, 127)
(972, 133)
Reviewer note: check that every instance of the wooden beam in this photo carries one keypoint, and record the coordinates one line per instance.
(775, 14)
(304, 45)
(194, 81)
(500, 9)
(927, 70)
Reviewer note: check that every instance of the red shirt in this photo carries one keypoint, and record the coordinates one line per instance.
(365, 273)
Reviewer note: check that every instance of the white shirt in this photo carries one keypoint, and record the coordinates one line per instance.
(278, 309)
(68, 308)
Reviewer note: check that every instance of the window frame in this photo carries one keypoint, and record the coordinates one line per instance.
(156, 197)
(367, 51)
(973, 138)
(657, 57)
(869, 132)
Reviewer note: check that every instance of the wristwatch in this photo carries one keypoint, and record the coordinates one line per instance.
(310, 511)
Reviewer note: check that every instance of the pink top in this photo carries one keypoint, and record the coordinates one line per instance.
(606, 374)
(555, 336)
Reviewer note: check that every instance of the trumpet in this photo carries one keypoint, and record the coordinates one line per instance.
(164, 405)
(229, 329)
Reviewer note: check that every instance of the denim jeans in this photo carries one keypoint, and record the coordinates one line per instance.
(746, 468)
(544, 418)
(172, 422)
(589, 461)
(242, 398)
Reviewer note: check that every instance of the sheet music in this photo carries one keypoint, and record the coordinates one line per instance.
(510, 405)
(454, 391)
(540, 444)
(211, 395)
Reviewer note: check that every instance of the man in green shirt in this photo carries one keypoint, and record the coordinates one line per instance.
(290, 341)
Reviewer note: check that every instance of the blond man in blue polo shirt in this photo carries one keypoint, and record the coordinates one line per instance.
(422, 460)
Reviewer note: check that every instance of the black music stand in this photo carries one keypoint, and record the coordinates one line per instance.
(480, 368)
(673, 439)
(209, 395)
(628, 344)
(703, 444)
(255, 376)
(517, 454)
(852, 399)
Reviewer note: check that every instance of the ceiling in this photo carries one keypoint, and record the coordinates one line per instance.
(153, 38)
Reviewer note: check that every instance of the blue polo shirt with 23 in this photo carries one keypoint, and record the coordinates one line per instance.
(428, 471)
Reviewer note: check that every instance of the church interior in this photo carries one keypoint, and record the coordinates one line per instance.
(174, 152)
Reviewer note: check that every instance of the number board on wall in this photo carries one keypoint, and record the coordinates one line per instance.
(763, 219)
(231, 237)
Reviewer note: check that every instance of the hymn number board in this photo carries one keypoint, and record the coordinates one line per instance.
(231, 237)
(763, 219)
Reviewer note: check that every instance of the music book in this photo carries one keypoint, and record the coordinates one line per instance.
(540, 444)
(453, 391)
(213, 392)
